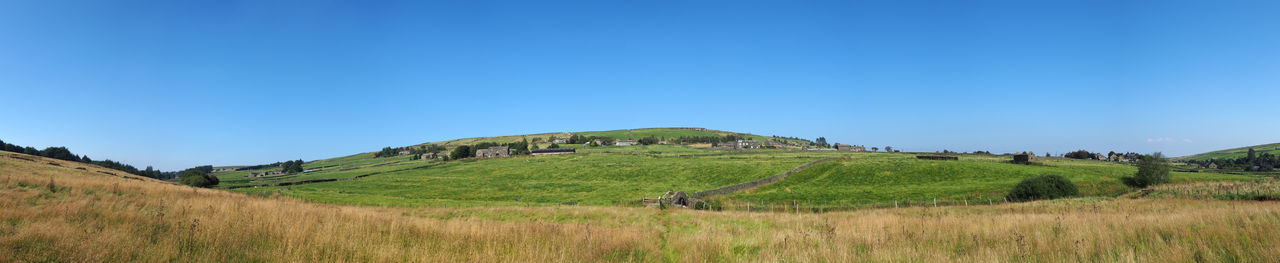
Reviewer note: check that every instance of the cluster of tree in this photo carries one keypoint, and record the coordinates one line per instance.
(259, 167)
(821, 142)
(413, 150)
(1081, 154)
(982, 152)
(649, 140)
(579, 139)
(792, 138)
(62, 153)
(1252, 159)
(198, 178)
(388, 152)
(291, 167)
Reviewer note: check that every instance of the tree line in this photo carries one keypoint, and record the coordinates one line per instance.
(62, 153)
(1252, 161)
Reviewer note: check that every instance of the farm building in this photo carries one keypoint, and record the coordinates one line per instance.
(553, 151)
(495, 151)
(1211, 166)
(850, 148)
(1024, 158)
(560, 140)
(429, 156)
(403, 153)
(265, 174)
(626, 142)
(745, 144)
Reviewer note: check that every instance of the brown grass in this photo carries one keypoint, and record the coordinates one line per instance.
(59, 213)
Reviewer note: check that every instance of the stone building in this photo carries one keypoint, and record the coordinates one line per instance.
(745, 144)
(626, 142)
(850, 148)
(560, 140)
(495, 151)
(1024, 158)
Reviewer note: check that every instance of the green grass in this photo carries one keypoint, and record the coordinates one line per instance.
(1234, 153)
(585, 178)
(342, 167)
(886, 177)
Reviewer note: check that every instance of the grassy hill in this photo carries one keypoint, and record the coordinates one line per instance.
(53, 211)
(1233, 153)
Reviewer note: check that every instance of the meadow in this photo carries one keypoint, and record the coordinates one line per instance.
(585, 178)
(884, 177)
(61, 213)
(614, 176)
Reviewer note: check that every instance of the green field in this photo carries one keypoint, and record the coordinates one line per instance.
(1234, 153)
(585, 178)
(887, 177)
(623, 175)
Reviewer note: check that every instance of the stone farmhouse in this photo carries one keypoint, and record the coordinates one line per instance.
(494, 152)
(741, 144)
(553, 151)
(265, 174)
(560, 140)
(850, 148)
(1024, 158)
(626, 143)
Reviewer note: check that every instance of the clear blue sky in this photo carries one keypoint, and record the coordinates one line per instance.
(177, 84)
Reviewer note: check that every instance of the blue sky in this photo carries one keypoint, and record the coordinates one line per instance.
(177, 84)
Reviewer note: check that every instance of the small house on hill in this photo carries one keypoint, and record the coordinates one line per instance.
(553, 151)
(560, 140)
(626, 142)
(495, 151)
(403, 153)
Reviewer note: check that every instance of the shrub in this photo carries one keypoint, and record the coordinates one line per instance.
(1043, 187)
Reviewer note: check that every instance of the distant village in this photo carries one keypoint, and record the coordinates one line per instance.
(494, 150)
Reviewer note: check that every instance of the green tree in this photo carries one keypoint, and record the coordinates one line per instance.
(1253, 158)
(197, 178)
(461, 152)
(821, 141)
(875, 149)
(1152, 170)
(888, 148)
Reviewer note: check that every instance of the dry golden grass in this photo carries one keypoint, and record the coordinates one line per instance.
(93, 217)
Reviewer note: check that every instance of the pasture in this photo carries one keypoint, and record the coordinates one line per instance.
(63, 214)
(885, 177)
